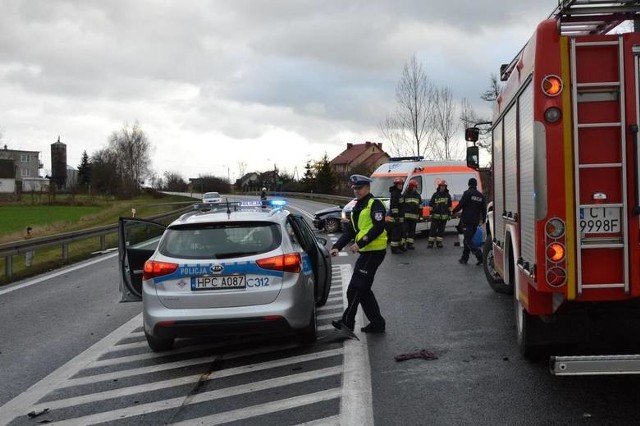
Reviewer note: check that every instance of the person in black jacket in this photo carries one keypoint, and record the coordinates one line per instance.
(396, 221)
(473, 206)
(369, 236)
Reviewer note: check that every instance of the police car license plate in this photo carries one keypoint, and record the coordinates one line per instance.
(599, 220)
(220, 282)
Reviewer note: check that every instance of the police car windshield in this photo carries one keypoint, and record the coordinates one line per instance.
(380, 186)
(220, 241)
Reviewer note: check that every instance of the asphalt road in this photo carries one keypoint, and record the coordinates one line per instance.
(430, 303)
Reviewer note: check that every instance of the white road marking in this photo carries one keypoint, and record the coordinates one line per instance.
(168, 404)
(148, 387)
(356, 407)
(271, 407)
(355, 393)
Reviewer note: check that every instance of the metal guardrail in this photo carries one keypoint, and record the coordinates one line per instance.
(312, 196)
(15, 248)
(8, 250)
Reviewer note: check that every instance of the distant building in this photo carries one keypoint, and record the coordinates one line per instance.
(25, 166)
(359, 157)
(7, 177)
(250, 182)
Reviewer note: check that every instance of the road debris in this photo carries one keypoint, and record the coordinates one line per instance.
(424, 354)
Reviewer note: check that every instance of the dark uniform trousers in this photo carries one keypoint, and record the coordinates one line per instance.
(469, 232)
(359, 290)
(395, 232)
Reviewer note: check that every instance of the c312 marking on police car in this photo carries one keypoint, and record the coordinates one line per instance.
(258, 282)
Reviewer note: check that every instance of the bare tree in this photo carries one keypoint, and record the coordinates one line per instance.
(408, 130)
(173, 181)
(132, 148)
(493, 91)
(445, 126)
(242, 168)
(469, 118)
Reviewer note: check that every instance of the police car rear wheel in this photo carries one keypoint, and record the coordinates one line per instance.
(309, 334)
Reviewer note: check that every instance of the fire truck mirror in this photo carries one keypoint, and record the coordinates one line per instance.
(473, 157)
(471, 134)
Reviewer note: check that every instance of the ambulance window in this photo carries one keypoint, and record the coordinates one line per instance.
(418, 179)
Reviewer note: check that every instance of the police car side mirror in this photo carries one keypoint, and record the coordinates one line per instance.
(473, 157)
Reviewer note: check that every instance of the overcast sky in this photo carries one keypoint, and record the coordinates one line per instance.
(214, 83)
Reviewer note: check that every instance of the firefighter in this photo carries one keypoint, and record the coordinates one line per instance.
(367, 230)
(440, 205)
(412, 203)
(473, 208)
(397, 220)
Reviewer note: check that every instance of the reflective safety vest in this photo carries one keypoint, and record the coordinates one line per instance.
(364, 225)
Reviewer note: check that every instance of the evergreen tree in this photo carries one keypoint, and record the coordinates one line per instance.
(84, 171)
(326, 179)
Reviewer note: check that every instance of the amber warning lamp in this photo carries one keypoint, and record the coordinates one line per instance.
(552, 85)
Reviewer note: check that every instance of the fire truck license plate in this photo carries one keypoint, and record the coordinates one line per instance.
(219, 282)
(600, 220)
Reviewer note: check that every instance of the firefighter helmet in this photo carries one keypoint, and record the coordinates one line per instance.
(442, 182)
(398, 180)
(413, 183)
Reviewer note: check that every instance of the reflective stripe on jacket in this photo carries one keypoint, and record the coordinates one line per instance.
(440, 204)
(412, 205)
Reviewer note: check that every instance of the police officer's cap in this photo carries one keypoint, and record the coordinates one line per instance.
(473, 182)
(359, 180)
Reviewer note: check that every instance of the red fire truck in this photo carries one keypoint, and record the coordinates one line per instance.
(564, 232)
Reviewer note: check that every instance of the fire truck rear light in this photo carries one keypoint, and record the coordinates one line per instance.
(556, 277)
(552, 115)
(555, 252)
(552, 85)
(555, 228)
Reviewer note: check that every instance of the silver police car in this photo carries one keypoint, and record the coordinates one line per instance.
(225, 270)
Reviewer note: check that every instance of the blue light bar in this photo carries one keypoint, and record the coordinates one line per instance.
(278, 203)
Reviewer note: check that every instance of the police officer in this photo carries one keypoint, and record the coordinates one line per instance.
(367, 230)
(440, 205)
(412, 212)
(397, 216)
(473, 208)
(263, 197)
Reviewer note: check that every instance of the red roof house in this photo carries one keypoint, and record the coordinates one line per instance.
(359, 157)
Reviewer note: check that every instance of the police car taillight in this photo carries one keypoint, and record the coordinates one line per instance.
(290, 262)
(154, 269)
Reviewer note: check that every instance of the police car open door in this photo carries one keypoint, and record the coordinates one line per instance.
(137, 240)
